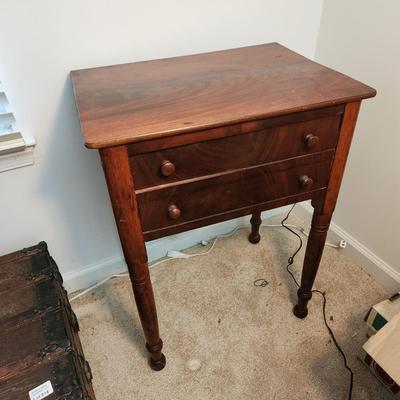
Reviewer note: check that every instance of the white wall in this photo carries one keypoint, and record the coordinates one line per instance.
(63, 198)
(362, 38)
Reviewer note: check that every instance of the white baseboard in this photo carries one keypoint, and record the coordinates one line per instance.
(380, 270)
(88, 275)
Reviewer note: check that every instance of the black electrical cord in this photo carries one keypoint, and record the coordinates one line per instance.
(323, 294)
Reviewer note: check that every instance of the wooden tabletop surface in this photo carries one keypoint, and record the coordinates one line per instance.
(145, 100)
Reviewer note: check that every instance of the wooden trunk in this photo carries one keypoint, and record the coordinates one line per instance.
(41, 354)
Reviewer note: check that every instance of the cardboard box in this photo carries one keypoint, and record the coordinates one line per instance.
(380, 314)
(381, 354)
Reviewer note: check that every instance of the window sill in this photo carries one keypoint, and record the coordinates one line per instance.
(17, 159)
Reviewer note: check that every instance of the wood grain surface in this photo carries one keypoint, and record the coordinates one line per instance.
(145, 100)
(227, 215)
(230, 153)
(243, 128)
(232, 190)
(191, 141)
(116, 168)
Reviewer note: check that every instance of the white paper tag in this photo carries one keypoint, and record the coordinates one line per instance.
(41, 391)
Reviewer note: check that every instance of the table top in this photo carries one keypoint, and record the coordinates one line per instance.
(150, 99)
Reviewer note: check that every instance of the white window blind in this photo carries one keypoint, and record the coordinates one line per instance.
(15, 149)
(11, 139)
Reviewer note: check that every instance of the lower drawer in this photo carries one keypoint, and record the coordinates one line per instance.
(182, 203)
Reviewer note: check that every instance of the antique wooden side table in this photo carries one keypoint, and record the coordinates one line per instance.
(195, 140)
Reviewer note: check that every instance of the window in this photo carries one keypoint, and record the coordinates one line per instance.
(15, 150)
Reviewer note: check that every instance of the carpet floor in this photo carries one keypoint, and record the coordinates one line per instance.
(223, 337)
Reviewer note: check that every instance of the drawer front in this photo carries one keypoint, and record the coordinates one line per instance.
(234, 152)
(182, 203)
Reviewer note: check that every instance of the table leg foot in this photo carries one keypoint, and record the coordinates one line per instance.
(157, 359)
(300, 310)
(254, 239)
(300, 313)
(255, 222)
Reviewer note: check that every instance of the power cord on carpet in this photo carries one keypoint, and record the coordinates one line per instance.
(170, 254)
(179, 254)
(342, 244)
(258, 282)
(321, 293)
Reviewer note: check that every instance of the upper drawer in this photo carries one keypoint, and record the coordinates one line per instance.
(234, 152)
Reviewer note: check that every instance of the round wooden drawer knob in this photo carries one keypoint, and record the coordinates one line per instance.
(174, 212)
(167, 168)
(311, 141)
(305, 181)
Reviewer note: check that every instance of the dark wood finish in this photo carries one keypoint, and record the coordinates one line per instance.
(232, 190)
(122, 193)
(311, 140)
(63, 369)
(39, 339)
(255, 222)
(315, 247)
(167, 168)
(242, 128)
(28, 300)
(221, 155)
(306, 182)
(26, 253)
(323, 210)
(144, 100)
(196, 140)
(28, 265)
(342, 151)
(30, 285)
(227, 215)
(174, 212)
(25, 344)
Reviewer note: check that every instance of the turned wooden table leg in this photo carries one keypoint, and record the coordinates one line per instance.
(122, 193)
(323, 210)
(312, 258)
(255, 222)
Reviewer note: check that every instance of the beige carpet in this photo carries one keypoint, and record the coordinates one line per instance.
(225, 338)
